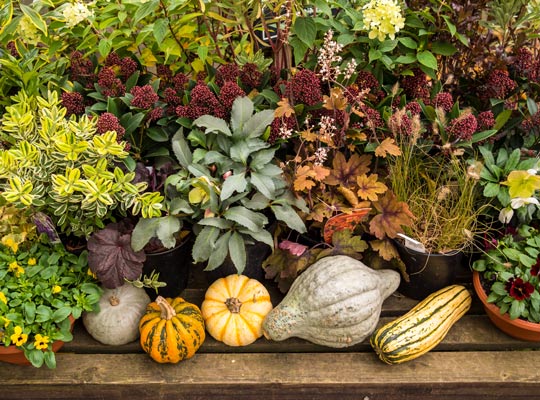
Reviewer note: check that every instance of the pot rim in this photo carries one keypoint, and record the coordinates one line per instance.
(496, 310)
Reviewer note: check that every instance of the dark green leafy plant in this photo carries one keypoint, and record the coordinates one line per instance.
(511, 273)
(227, 188)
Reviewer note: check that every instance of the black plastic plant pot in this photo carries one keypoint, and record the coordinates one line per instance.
(255, 255)
(173, 266)
(428, 272)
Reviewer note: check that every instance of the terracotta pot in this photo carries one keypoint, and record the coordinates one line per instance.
(13, 355)
(517, 328)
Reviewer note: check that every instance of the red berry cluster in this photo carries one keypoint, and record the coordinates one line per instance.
(111, 85)
(498, 85)
(203, 102)
(12, 47)
(227, 73)
(400, 124)
(81, 70)
(304, 87)
(526, 66)
(228, 94)
(463, 127)
(73, 102)
(486, 120)
(416, 86)
(250, 76)
(144, 97)
(531, 122)
(414, 108)
(443, 100)
(366, 80)
(109, 122)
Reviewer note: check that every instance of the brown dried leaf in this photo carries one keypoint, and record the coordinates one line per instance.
(393, 215)
(385, 248)
(284, 109)
(369, 188)
(386, 147)
(344, 172)
(336, 100)
(304, 178)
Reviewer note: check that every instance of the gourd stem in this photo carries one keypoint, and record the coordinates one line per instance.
(113, 300)
(233, 304)
(167, 311)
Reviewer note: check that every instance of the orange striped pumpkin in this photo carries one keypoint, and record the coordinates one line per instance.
(171, 330)
(234, 308)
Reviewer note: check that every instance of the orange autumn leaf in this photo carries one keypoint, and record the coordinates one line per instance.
(344, 172)
(304, 178)
(309, 136)
(283, 109)
(320, 172)
(369, 188)
(385, 248)
(336, 100)
(393, 215)
(387, 147)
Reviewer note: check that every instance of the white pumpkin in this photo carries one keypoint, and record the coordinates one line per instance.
(117, 321)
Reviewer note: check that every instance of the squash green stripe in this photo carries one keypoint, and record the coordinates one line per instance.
(418, 308)
(439, 330)
(445, 314)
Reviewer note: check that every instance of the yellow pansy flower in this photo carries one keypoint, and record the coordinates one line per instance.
(18, 338)
(32, 261)
(3, 298)
(41, 342)
(56, 289)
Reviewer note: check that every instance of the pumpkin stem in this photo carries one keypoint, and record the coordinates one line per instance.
(113, 300)
(233, 304)
(167, 311)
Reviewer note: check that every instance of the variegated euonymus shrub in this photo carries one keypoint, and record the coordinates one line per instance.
(64, 169)
(227, 186)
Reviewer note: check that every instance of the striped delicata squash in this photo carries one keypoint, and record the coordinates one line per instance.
(423, 327)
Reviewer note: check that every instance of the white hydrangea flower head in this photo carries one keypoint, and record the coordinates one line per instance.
(383, 18)
(75, 13)
(28, 31)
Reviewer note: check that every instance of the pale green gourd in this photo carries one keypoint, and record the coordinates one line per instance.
(336, 302)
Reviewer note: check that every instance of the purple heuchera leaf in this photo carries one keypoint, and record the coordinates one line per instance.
(111, 257)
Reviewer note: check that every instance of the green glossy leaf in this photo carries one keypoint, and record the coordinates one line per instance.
(306, 30)
(237, 251)
(160, 29)
(34, 16)
(406, 59)
(61, 314)
(443, 48)
(234, 183)
(264, 184)
(288, 215)
(247, 218)
(374, 55)
(167, 229)
(220, 223)
(219, 252)
(181, 149)
(205, 243)
(157, 134)
(144, 10)
(408, 42)
(241, 112)
(427, 59)
(257, 124)
(144, 231)
(213, 124)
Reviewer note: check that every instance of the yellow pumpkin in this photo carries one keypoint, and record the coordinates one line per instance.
(171, 330)
(234, 308)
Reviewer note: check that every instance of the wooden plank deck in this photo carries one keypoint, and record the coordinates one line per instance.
(475, 361)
